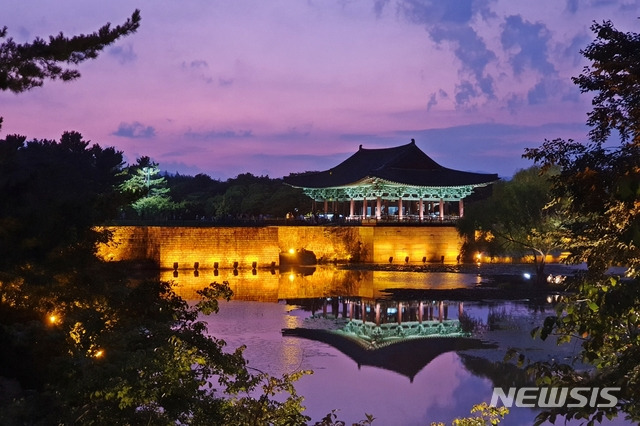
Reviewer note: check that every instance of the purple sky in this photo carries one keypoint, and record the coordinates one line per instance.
(273, 87)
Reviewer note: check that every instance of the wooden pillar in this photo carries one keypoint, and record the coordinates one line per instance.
(379, 208)
(440, 311)
(324, 308)
(399, 312)
(460, 309)
(378, 314)
(421, 209)
(441, 209)
(351, 207)
(350, 311)
(420, 309)
(364, 208)
(399, 208)
(326, 206)
(461, 208)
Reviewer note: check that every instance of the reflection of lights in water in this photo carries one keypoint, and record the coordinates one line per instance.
(325, 282)
(291, 251)
(291, 321)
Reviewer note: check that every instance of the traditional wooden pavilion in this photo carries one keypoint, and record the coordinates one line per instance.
(400, 182)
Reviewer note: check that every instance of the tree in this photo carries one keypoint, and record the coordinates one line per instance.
(614, 76)
(601, 213)
(147, 190)
(28, 65)
(53, 193)
(81, 342)
(520, 216)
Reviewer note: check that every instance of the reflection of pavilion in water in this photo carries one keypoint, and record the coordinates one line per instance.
(349, 310)
(376, 322)
(401, 336)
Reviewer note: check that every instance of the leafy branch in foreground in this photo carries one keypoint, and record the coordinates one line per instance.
(601, 189)
(28, 65)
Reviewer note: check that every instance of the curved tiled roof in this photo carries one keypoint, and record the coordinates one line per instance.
(405, 164)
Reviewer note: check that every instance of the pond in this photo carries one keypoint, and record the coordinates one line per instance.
(415, 382)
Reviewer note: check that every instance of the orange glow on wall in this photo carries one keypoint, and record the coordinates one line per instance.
(245, 248)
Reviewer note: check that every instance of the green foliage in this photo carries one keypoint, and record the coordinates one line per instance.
(614, 76)
(28, 65)
(486, 415)
(331, 419)
(53, 193)
(84, 344)
(245, 196)
(601, 214)
(521, 217)
(147, 190)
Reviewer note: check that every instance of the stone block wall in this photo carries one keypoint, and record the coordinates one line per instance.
(433, 243)
(329, 243)
(185, 246)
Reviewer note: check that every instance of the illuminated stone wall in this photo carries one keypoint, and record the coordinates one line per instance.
(185, 246)
(329, 243)
(433, 243)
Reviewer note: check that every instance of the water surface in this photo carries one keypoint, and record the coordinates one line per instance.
(446, 387)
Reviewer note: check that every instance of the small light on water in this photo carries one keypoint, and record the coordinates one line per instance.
(526, 275)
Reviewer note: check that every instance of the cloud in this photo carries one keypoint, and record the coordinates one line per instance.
(432, 102)
(124, 54)
(296, 132)
(578, 42)
(199, 69)
(378, 7)
(217, 134)
(134, 130)
(432, 12)
(450, 22)
(527, 44)
(572, 6)
(472, 52)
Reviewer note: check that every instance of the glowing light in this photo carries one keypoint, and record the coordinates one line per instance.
(292, 277)
(526, 275)
(291, 251)
(53, 319)
(99, 353)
